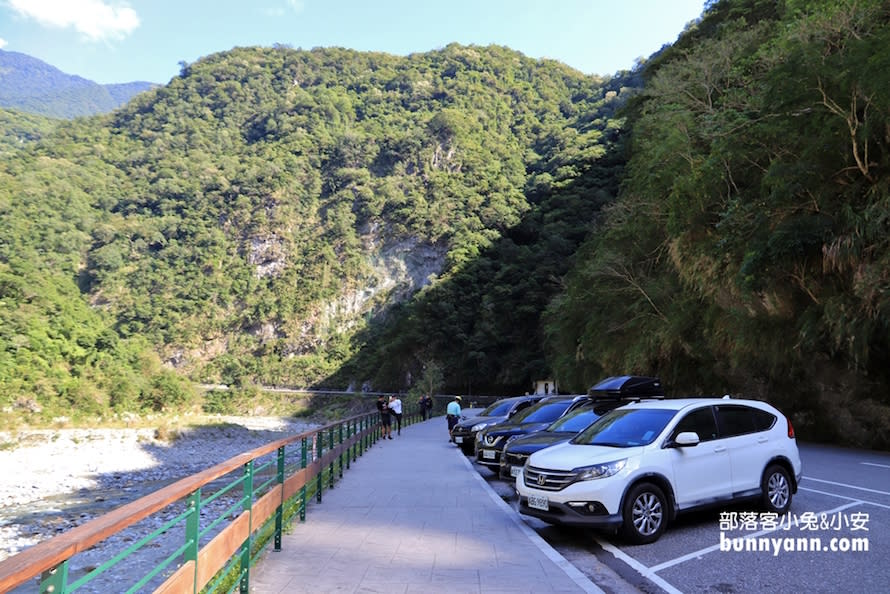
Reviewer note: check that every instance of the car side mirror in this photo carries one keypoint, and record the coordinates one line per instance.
(686, 439)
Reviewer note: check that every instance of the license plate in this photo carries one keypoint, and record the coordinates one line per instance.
(489, 454)
(458, 440)
(514, 470)
(538, 502)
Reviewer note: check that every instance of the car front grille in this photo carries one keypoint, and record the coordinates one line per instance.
(547, 480)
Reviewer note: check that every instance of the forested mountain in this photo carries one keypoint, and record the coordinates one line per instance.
(472, 218)
(257, 220)
(748, 252)
(33, 86)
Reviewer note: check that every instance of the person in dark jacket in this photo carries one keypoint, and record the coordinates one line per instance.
(426, 406)
(385, 420)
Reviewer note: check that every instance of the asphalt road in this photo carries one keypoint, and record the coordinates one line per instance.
(841, 507)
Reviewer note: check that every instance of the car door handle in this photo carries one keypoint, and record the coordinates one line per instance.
(719, 449)
(762, 440)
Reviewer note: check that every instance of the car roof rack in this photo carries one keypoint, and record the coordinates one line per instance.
(627, 387)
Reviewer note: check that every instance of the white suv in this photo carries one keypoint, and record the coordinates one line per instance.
(641, 464)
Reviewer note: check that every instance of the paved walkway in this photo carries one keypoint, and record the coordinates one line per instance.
(412, 515)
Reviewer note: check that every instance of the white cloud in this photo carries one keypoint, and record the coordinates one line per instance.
(96, 20)
(2, 43)
(296, 5)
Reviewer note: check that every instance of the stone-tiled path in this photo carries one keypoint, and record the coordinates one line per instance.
(412, 516)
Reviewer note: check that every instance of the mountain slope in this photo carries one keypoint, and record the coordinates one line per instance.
(32, 86)
(265, 215)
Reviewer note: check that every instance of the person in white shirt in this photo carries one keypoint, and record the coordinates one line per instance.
(395, 405)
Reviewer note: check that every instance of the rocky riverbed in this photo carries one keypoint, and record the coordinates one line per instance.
(53, 480)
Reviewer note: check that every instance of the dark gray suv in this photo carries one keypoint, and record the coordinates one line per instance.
(464, 433)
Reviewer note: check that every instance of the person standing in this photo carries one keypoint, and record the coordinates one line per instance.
(385, 426)
(395, 405)
(426, 406)
(452, 413)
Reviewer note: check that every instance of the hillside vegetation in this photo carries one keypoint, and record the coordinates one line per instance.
(749, 249)
(247, 222)
(471, 220)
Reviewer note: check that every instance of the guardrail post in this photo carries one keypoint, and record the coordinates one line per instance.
(331, 447)
(354, 424)
(279, 511)
(319, 480)
(303, 492)
(55, 580)
(350, 449)
(340, 443)
(247, 506)
(192, 532)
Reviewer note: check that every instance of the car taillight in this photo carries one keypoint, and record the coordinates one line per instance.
(790, 429)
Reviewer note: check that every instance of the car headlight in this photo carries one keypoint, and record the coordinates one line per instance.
(492, 440)
(598, 471)
(479, 426)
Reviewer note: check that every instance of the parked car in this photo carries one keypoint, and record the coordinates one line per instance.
(517, 450)
(601, 398)
(641, 464)
(464, 433)
(490, 441)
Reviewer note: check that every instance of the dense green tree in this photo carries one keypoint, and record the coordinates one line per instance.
(746, 251)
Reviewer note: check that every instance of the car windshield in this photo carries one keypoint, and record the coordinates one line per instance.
(575, 421)
(543, 412)
(625, 428)
(499, 409)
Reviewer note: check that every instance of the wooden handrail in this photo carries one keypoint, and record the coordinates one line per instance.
(18, 569)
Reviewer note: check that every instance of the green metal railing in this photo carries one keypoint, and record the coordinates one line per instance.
(227, 514)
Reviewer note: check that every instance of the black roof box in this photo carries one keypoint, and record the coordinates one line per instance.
(628, 386)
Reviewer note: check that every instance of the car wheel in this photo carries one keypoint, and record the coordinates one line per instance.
(776, 486)
(645, 514)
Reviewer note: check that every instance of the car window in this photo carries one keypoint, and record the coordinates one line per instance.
(543, 412)
(763, 420)
(575, 421)
(498, 409)
(739, 420)
(700, 422)
(522, 406)
(625, 428)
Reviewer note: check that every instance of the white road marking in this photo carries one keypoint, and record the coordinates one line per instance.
(845, 485)
(862, 501)
(646, 572)
(878, 465)
(711, 549)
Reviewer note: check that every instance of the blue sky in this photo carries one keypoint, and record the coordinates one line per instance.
(112, 41)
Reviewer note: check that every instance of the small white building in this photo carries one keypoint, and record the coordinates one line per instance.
(545, 386)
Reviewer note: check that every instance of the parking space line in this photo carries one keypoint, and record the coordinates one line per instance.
(878, 465)
(845, 485)
(712, 548)
(863, 501)
(646, 572)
